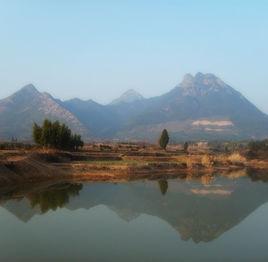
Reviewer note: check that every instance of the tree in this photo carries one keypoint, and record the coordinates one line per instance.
(185, 147)
(56, 135)
(37, 134)
(164, 139)
(46, 133)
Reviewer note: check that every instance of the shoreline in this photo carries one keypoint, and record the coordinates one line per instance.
(22, 167)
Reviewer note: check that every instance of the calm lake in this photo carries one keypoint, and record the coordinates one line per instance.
(220, 219)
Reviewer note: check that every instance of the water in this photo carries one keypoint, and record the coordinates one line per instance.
(217, 219)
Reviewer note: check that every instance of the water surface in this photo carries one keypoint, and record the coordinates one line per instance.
(217, 219)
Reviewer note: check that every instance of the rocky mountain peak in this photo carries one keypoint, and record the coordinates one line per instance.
(30, 88)
(26, 93)
(201, 84)
(188, 81)
(128, 97)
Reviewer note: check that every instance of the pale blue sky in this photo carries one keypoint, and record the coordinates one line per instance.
(98, 49)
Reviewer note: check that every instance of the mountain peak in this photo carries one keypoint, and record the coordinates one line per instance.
(205, 77)
(128, 97)
(26, 92)
(202, 83)
(29, 88)
(188, 77)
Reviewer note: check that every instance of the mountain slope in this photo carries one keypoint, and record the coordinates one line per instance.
(200, 107)
(95, 117)
(20, 110)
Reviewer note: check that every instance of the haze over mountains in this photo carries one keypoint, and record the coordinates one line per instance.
(200, 107)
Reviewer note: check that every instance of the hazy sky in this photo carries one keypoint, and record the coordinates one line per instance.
(98, 49)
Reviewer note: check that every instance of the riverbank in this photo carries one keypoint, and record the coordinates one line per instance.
(122, 163)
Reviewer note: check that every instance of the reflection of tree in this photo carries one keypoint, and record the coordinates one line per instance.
(260, 175)
(163, 185)
(207, 179)
(54, 197)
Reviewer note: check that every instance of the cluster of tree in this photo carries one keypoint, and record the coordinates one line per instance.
(15, 145)
(56, 135)
(261, 145)
(228, 146)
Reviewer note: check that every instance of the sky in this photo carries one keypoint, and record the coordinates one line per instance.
(99, 49)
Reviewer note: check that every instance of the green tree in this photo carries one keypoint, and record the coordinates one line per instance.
(37, 134)
(47, 133)
(56, 135)
(77, 141)
(65, 137)
(164, 139)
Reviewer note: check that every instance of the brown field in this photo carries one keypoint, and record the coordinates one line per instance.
(115, 161)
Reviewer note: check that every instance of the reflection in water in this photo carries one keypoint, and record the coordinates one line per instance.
(207, 179)
(199, 210)
(163, 185)
(54, 197)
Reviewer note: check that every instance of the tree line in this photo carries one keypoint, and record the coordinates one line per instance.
(56, 135)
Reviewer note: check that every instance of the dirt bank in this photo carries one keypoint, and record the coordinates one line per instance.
(36, 166)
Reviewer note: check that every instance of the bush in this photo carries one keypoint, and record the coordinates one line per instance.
(56, 135)
(258, 145)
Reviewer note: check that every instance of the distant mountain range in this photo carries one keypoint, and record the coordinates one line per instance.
(200, 107)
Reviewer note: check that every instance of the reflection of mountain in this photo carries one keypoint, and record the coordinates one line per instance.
(21, 209)
(198, 212)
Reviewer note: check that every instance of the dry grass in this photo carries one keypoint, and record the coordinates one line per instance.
(190, 162)
(236, 158)
(124, 162)
(207, 161)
